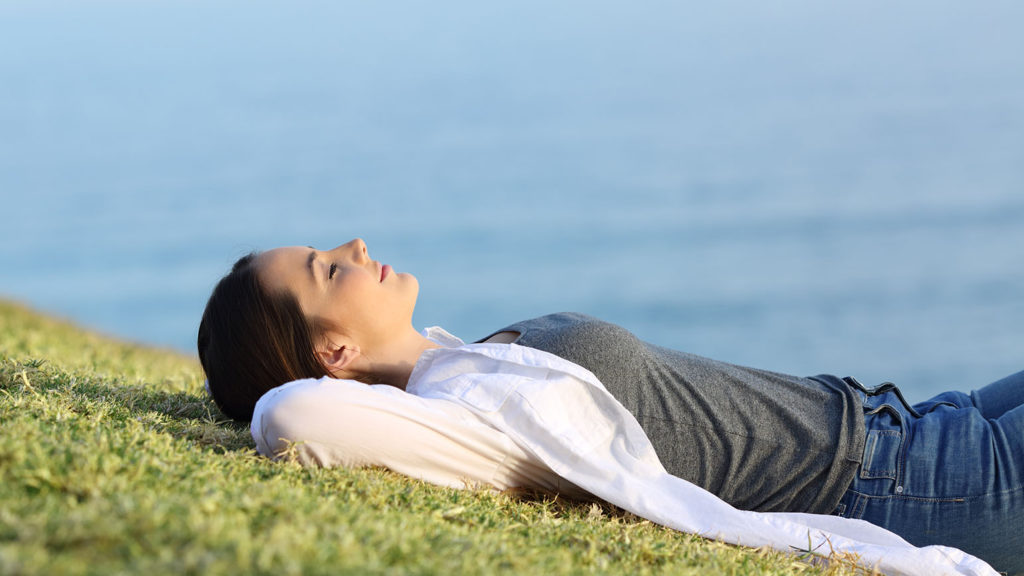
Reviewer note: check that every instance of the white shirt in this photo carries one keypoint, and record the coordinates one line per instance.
(330, 422)
(529, 418)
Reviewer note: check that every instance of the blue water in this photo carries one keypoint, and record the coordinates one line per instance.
(796, 186)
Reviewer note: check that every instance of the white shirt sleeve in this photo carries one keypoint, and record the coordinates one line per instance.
(330, 422)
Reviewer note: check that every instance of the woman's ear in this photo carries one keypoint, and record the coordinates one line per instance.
(338, 358)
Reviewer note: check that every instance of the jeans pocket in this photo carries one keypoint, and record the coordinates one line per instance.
(882, 444)
(881, 454)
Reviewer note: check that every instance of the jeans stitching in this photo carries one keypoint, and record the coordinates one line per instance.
(862, 497)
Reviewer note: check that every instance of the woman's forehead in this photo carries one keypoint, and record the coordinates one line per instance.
(284, 267)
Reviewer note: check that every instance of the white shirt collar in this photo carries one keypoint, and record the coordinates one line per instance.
(442, 337)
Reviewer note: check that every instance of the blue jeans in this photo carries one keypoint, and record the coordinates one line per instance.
(947, 471)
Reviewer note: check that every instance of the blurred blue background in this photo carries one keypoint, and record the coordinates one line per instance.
(800, 186)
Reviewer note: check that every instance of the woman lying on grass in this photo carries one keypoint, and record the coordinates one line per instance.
(318, 350)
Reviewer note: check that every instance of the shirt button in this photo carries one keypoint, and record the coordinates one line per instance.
(899, 489)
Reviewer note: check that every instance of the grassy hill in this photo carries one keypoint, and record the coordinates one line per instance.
(112, 461)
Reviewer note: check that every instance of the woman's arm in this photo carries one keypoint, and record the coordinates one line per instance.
(329, 422)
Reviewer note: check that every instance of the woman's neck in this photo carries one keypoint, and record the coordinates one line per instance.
(393, 362)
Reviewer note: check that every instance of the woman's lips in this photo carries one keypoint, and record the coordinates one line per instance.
(385, 271)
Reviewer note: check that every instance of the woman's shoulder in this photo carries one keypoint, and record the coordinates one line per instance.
(562, 331)
(574, 323)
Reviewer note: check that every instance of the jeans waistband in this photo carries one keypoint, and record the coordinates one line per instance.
(872, 398)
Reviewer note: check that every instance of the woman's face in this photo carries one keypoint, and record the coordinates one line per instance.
(357, 298)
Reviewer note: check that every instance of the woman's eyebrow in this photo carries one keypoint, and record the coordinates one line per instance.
(309, 265)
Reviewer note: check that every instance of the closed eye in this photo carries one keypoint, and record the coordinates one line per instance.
(333, 269)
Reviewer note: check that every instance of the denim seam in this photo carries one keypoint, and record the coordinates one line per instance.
(860, 506)
(950, 499)
(861, 495)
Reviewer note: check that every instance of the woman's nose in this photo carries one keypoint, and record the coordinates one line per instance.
(356, 249)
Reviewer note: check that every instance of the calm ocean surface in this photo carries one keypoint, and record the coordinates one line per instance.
(802, 187)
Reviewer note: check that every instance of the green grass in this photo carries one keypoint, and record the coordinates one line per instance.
(112, 461)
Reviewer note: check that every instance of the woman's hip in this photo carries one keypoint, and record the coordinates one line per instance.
(940, 472)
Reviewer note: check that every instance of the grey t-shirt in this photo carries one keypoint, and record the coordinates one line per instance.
(756, 439)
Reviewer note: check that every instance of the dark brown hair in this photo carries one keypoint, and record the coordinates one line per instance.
(251, 340)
